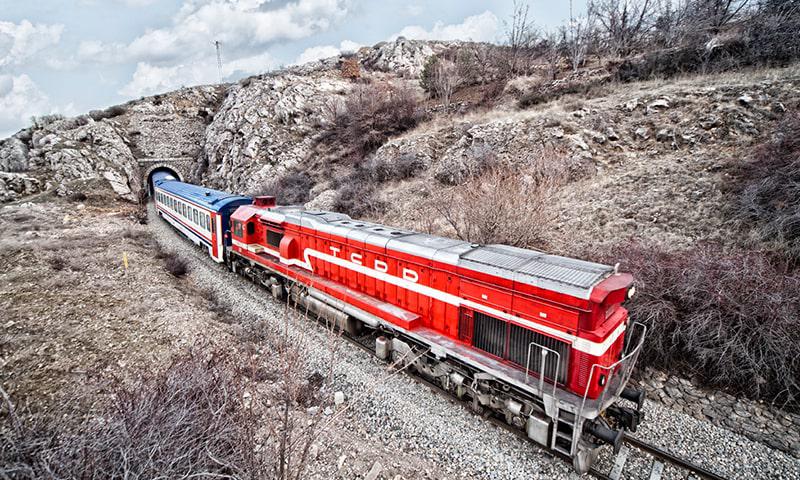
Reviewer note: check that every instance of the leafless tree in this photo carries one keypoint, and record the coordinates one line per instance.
(552, 54)
(623, 22)
(445, 81)
(521, 36)
(713, 15)
(576, 38)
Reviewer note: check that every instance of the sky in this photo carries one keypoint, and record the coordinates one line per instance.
(72, 56)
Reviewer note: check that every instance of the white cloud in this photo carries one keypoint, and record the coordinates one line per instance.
(320, 52)
(20, 99)
(242, 26)
(21, 42)
(149, 79)
(477, 28)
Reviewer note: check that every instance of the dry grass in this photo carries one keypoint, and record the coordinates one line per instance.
(199, 417)
(768, 188)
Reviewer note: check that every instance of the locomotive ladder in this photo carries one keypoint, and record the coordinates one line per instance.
(563, 436)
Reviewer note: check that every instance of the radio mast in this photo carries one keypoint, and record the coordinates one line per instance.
(219, 60)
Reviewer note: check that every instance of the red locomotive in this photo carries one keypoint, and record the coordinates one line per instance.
(540, 339)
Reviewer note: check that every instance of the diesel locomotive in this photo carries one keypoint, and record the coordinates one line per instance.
(540, 340)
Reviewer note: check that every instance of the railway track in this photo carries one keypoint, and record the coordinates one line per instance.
(661, 459)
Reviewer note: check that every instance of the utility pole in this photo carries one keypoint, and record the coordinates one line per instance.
(219, 60)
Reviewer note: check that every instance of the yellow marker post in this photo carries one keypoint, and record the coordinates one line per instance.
(125, 260)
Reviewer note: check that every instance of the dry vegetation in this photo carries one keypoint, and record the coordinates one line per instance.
(368, 116)
(728, 318)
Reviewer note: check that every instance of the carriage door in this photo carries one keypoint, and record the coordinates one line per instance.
(465, 322)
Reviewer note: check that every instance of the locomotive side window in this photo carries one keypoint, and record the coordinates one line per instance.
(274, 238)
(237, 228)
(251, 228)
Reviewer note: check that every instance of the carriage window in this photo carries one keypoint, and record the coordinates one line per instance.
(274, 238)
(211, 220)
(237, 228)
(251, 228)
(194, 215)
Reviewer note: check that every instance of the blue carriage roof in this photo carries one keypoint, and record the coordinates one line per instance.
(205, 197)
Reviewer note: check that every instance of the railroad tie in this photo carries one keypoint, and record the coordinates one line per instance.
(619, 463)
(657, 470)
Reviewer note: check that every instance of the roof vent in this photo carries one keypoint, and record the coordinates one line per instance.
(264, 201)
(207, 194)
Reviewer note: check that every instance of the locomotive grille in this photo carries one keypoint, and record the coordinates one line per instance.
(490, 334)
(511, 342)
(519, 342)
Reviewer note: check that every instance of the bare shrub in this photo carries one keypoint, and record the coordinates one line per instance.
(176, 265)
(520, 37)
(503, 205)
(370, 114)
(350, 68)
(768, 187)
(45, 120)
(109, 112)
(356, 195)
(625, 23)
(136, 234)
(77, 197)
(445, 80)
(727, 318)
(392, 169)
(58, 263)
(217, 306)
(292, 188)
(196, 418)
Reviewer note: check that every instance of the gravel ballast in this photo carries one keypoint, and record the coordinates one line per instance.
(396, 412)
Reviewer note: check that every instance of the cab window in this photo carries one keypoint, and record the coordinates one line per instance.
(251, 228)
(237, 228)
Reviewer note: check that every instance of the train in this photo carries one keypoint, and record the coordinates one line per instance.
(539, 340)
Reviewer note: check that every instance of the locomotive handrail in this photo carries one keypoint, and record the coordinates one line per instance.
(627, 361)
(542, 365)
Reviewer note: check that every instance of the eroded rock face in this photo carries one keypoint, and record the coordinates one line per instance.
(265, 127)
(403, 57)
(17, 185)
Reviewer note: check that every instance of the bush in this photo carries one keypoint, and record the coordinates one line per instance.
(503, 205)
(356, 195)
(109, 112)
(293, 188)
(176, 265)
(77, 197)
(196, 418)
(768, 187)
(369, 115)
(729, 319)
(399, 168)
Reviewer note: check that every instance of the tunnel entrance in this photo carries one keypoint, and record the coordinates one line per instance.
(160, 173)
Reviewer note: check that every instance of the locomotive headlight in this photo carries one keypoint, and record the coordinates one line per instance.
(631, 292)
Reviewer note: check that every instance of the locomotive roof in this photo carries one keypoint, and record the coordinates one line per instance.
(552, 272)
(206, 197)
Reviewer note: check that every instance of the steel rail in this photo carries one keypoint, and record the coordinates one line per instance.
(659, 453)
